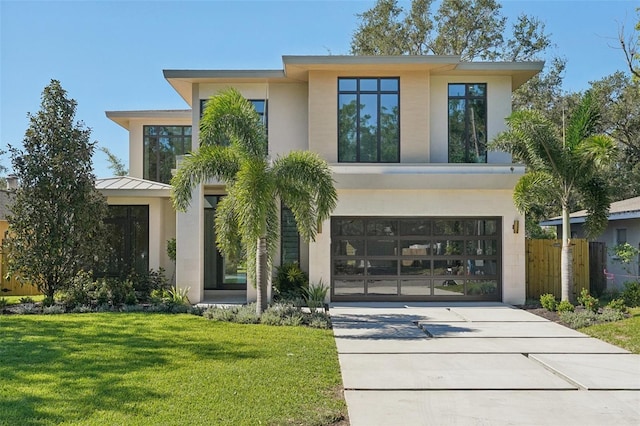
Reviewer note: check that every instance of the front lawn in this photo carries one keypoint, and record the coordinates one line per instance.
(14, 300)
(111, 368)
(625, 333)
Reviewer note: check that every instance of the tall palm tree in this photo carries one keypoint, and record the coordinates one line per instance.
(563, 166)
(233, 149)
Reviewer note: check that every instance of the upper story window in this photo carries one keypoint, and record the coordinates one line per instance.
(467, 123)
(259, 104)
(161, 146)
(368, 120)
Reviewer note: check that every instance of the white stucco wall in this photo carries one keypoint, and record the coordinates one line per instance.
(432, 203)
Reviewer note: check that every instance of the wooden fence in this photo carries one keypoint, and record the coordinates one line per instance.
(11, 286)
(543, 267)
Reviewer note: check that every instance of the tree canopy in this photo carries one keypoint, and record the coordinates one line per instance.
(56, 221)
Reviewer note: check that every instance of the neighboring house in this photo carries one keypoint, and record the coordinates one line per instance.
(425, 211)
(623, 227)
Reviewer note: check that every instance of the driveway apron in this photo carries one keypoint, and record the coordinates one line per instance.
(478, 364)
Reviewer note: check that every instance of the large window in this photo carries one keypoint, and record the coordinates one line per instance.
(127, 240)
(369, 120)
(468, 123)
(161, 146)
(259, 104)
(415, 258)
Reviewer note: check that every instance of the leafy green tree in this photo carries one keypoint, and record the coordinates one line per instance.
(56, 222)
(562, 165)
(233, 149)
(631, 48)
(115, 164)
(472, 29)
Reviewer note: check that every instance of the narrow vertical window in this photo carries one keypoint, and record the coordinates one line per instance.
(368, 120)
(467, 123)
(289, 237)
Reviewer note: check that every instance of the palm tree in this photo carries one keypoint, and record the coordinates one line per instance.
(563, 167)
(233, 149)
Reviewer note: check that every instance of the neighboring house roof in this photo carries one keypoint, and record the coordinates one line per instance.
(619, 210)
(6, 197)
(128, 186)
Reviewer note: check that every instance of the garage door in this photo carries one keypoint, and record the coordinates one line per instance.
(418, 258)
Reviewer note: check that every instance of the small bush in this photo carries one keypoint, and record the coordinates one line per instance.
(27, 299)
(315, 295)
(589, 302)
(611, 315)
(290, 281)
(53, 310)
(28, 309)
(319, 320)
(548, 301)
(617, 305)
(246, 314)
(293, 320)
(631, 294)
(586, 318)
(565, 306)
(271, 317)
(216, 313)
(81, 309)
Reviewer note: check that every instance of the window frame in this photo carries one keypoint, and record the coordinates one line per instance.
(186, 139)
(283, 211)
(378, 92)
(468, 98)
(125, 222)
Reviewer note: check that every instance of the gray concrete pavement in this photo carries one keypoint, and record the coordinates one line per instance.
(478, 364)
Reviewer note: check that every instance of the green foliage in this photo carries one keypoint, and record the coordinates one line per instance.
(565, 306)
(315, 296)
(548, 301)
(588, 301)
(233, 149)
(77, 294)
(624, 333)
(617, 305)
(585, 318)
(53, 310)
(115, 164)
(290, 281)
(179, 295)
(631, 294)
(171, 249)
(27, 299)
(626, 254)
(3, 304)
(56, 225)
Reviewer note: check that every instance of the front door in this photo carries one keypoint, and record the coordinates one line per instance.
(219, 272)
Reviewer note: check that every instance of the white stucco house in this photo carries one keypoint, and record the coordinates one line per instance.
(425, 211)
(623, 227)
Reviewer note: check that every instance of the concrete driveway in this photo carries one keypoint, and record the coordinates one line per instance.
(478, 364)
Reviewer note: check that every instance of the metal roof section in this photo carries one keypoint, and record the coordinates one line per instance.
(123, 118)
(619, 210)
(127, 186)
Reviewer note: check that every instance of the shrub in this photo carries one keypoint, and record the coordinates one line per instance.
(617, 305)
(610, 315)
(565, 306)
(53, 310)
(548, 301)
(294, 320)
(586, 318)
(28, 309)
(315, 295)
(589, 302)
(290, 281)
(246, 314)
(271, 317)
(77, 293)
(631, 294)
(145, 284)
(3, 304)
(82, 309)
(27, 299)
(219, 313)
(319, 320)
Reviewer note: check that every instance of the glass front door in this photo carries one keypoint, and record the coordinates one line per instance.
(219, 273)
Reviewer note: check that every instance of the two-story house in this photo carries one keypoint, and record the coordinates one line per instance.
(425, 210)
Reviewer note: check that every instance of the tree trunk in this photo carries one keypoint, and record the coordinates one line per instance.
(262, 276)
(566, 258)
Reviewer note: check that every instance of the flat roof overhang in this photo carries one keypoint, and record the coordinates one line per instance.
(297, 68)
(124, 118)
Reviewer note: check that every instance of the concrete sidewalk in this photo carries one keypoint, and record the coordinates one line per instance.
(478, 364)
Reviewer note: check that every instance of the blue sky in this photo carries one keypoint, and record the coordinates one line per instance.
(109, 55)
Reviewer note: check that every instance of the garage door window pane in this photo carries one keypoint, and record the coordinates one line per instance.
(482, 247)
(448, 287)
(382, 248)
(382, 287)
(415, 267)
(482, 287)
(348, 287)
(415, 227)
(449, 247)
(481, 227)
(382, 227)
(448, 227)
(348, 227)
(382, 267)
(349, 267)
(349, 248)
(415, 288)
(448, 267)
(415, 247)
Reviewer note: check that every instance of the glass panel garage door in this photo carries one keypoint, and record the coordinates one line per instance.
(382, 258)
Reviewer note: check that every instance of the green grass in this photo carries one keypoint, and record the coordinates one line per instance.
(14, 300)
(625, 333)
(155, 369)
